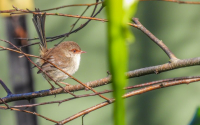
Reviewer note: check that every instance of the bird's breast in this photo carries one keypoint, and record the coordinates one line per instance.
(77, 59)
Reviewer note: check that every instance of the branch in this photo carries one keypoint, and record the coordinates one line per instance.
(154, 39)
(176, 1)
(131, 74)
(26, 111)
(61, 101)
(72, 5)
(108, 91)
(5, 88)
(177, 81)
(135, 92)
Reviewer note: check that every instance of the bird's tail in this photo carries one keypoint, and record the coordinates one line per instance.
(39, 22)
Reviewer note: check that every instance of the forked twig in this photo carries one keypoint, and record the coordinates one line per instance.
(172, 57)
(135, 92)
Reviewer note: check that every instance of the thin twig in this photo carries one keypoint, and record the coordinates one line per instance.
(60, 101)
(161, 85)
(72, 5)
(21, 11)
(26, 111)
(79, 28)
(86, 111)
(155, 40)
(73, 25)
(176, 1)
(161, 81)
(5, 88)
(5, 103)
(135, 92)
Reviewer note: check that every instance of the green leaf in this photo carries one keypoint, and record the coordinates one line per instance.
(119, 13)
(196, 118)
(130, 7)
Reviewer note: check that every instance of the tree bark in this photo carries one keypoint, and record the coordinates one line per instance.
(19, 68)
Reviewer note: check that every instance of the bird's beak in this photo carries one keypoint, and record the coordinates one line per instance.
(83, 52)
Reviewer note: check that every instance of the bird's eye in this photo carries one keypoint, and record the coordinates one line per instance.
(74, 50)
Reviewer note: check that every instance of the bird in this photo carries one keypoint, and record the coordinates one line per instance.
(66, 55)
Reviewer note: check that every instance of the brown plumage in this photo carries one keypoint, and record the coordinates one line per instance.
(66, 55)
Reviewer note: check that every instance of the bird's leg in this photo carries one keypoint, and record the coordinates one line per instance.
(52, 87)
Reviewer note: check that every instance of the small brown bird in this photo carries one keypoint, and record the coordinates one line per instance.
(66, 55)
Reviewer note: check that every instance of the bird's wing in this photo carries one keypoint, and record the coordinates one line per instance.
(58, 60)
(46, 66)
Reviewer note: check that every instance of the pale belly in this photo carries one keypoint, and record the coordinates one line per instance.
(58, 75)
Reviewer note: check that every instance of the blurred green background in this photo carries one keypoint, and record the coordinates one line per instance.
(178, 25)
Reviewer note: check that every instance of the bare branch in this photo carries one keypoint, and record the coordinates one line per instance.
(131, 74)
(61, 101)
(5, 88)
(72, 5)
(155, 39)
(26, 111)
(176, 1)
(5, 103)
(135, 92)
